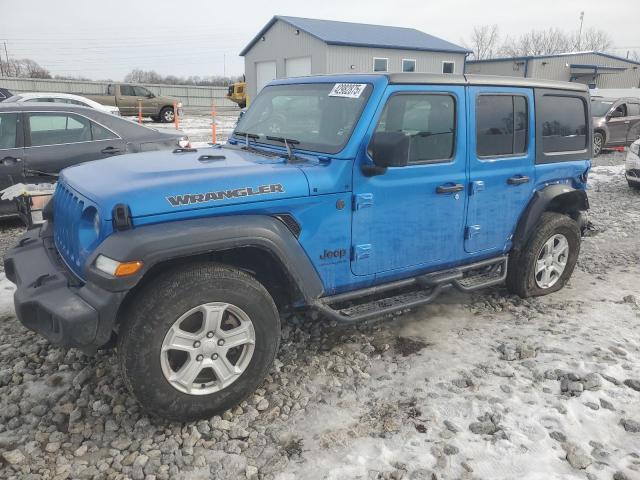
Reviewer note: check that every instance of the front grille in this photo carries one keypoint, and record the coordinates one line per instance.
(68, 208)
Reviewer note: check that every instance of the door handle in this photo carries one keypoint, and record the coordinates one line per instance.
(451, 188)
(8, 161)
(518, 180)
(110, 150)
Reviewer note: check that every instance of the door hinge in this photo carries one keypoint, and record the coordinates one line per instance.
(476, 187)
(361, 252)
(362, 200)
(471, 231)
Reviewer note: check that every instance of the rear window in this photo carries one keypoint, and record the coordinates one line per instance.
(564, 124)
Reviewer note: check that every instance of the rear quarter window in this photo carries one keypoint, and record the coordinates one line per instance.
(563, 127)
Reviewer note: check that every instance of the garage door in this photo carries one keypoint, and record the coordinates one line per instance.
(265, 72)
(298, 67)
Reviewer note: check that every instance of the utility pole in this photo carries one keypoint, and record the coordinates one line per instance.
(580, 32)
(7, 55)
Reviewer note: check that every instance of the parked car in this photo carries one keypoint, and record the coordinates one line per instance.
(632, 165)
(40, 139)
(405, 185)
(126, 97)
(66, 98)
(616, 122)
(4, 94)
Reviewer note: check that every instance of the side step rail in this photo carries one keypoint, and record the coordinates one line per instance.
(391, 297)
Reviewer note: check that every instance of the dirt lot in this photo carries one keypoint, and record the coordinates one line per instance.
(483, 386)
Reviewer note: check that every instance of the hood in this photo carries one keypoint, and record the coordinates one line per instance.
(164, 182)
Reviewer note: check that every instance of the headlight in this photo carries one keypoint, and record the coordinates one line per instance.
(635, 148)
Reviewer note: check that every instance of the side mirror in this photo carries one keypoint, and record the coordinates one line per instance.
(388, 149)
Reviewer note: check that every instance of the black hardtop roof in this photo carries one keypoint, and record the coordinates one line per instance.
(482, 80)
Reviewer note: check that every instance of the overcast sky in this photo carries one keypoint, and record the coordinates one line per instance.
(103, 39)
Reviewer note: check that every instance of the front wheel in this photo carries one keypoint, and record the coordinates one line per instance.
(167, 115)
(197, 341)
(598, 143)
(548, 258)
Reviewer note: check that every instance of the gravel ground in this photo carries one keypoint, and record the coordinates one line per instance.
(482, 386)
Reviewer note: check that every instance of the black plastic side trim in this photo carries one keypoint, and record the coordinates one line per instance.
(154, 244)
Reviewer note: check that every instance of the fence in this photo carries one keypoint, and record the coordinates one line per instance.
(190, 96)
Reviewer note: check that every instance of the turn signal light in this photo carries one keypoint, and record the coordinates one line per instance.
(115, 268)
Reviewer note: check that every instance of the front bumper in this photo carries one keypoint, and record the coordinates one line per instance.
(51, 301)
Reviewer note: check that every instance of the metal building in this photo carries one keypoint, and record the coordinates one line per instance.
(292, 46)
(596, 69)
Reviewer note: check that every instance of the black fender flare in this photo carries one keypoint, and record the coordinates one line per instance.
(556, 198)
(157, 243)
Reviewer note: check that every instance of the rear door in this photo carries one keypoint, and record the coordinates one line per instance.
(633, 115)
(501, 164)
(11, 149)
(56, 140)
(411, 218)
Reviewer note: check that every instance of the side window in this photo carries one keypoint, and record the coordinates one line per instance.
(58, 128)
(564, 124)
(141, 91)
(501, 125)
(98, 132)
(633, 109)
(111, 89)
(408, 65)
(448, 67)
(41, 100)
(620, 111)
(380, 64)
(429, 119)
(8, 128)
(127, 91)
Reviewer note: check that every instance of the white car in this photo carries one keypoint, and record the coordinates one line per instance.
(68, 98)
(632, 165)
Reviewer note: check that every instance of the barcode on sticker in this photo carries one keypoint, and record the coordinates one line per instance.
(348, 90)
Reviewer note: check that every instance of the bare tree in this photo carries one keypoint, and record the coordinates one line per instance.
(150, 76)
(536, 42)
(484, 41)
(594, 39)
(24, 68)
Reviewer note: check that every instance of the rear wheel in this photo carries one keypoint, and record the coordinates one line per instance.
(598, 143)
(548, 258)
(197, 341)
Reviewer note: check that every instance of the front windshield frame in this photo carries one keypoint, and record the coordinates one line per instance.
(601, 102)
(326, 148)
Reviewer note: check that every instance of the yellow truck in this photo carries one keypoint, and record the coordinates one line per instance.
(237, 93)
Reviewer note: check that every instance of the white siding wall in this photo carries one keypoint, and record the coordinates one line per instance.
(340, 59)
(281, 42)
(507, 68)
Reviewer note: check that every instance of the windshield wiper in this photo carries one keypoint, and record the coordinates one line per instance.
(287, 143)
(247, 136)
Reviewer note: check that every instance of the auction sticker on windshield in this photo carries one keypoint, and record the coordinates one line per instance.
(348, 90)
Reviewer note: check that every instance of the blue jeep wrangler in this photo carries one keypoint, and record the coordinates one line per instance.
(353, 195)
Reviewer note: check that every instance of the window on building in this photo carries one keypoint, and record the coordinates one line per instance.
(380, 64)
(408, 65)
(8, 127)
(501, 125)
(564, 123)
(429, 119)
(448, 67)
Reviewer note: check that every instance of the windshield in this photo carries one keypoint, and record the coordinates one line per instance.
(599, 108)
(320, 116)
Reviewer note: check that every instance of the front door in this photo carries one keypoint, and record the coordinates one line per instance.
(501, 164)
(56, 140)
(633, 115)
(618, 125)
(127, 100)
(411, 218)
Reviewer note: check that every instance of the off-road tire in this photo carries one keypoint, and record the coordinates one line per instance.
(159, 304)
(167, 115)
(521, 268)
(598, 143)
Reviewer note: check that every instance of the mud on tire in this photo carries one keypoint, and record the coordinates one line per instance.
(154, 311)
